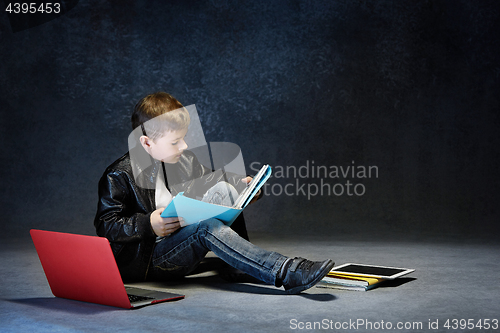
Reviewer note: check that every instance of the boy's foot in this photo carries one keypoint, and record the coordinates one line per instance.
(302, 274)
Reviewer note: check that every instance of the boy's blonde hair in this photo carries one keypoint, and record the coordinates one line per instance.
(159, 112)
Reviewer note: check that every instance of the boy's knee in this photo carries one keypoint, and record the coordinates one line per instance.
(210, 225)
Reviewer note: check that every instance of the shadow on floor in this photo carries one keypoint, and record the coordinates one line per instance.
(65, 305)
(215, 281)
(396, 282)
(225, 278)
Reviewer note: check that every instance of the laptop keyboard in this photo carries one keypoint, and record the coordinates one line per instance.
(135, 298)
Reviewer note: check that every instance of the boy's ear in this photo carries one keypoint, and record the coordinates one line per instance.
(146, 142)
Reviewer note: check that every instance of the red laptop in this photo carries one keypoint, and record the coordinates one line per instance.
(83, 268)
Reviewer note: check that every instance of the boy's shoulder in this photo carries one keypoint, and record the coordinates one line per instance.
(121, 164)
(120, 170)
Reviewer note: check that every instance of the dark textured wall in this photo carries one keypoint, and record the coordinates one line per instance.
(408, 86)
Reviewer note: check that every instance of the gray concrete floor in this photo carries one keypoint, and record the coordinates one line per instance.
(451, 281)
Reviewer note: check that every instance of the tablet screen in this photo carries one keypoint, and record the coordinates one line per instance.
(372, 270)
(377, 271)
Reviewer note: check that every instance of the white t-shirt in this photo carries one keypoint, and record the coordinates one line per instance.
(162, 194)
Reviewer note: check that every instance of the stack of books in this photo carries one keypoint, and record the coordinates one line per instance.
(359, 282)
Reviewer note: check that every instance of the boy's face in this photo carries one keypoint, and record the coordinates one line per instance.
(168, 148)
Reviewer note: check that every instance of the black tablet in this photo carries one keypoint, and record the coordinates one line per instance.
(381, 272)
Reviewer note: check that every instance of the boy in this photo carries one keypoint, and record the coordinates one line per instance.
(149, 247)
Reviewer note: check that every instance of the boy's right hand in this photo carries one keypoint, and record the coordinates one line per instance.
(164, 226)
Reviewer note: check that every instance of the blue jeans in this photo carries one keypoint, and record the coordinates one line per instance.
(221, 194)
(179, 254)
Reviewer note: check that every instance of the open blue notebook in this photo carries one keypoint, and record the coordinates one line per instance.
(194, 211)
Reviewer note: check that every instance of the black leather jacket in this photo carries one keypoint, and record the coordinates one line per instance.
(124, 209)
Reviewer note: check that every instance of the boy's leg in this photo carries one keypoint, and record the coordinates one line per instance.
(225, 194)
(179, 254)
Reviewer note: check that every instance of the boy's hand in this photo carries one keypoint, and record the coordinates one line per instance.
(163, 226)
(247, 180)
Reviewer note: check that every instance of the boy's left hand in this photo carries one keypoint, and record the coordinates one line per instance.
(247, 180)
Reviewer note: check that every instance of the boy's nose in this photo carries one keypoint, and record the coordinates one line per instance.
(183, 146)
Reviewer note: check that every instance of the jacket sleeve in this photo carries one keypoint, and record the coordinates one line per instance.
(122, 213)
